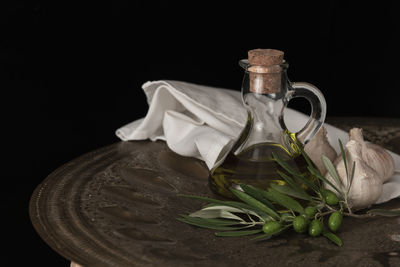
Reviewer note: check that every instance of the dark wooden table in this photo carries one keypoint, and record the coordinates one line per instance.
(117, 206)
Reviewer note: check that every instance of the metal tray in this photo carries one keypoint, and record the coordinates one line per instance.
(117, 206)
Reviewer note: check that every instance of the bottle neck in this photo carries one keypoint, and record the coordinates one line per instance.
(264, 115)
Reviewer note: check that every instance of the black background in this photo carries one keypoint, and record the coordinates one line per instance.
(71, 74)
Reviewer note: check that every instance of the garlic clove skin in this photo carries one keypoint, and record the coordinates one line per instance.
(376, 156)
(317, 146)
(380, 160)
(367, 186)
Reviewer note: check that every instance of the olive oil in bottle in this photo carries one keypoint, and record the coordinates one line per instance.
(253, 166)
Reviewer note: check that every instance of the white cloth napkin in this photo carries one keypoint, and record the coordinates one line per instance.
(203, 122)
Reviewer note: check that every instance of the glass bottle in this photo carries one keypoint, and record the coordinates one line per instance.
(266, 92)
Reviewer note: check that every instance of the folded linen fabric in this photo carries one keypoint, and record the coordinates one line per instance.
(203, 122)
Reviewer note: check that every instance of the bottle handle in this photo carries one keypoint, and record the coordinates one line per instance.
(318, 108)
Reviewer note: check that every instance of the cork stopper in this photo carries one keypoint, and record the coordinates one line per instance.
(265, 72)
(265, 57)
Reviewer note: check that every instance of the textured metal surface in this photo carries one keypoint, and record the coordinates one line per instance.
(117, 206)
(383, 131)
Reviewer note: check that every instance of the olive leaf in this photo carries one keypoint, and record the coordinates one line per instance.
(331, 170)
(287, 190)
(300, 192)
(257, 194)
(285, 165)
(293, 172)
(215, 214)
(254, 203)
(208, 214)
(235, 210)
(235, 204)
(317, 174)
(222, 207)
(239, 233)
(268, 236)
(284, 200)
(342, 151)
(229, 215)
(309, 164)
(304, 154)
(215, 224)
(332, 237)
(262, 237)
(351, 177)
(386, 213)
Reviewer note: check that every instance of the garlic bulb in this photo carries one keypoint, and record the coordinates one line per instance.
(366, 186)
(372, 165)
(377, 157)
(319, 145)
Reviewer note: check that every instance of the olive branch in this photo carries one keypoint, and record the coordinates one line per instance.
(265, 213)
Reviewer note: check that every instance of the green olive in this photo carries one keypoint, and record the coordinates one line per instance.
(315, 228)
(330, 197)
(335, 220)
(300, 224)
(310, 211)
(271, 227)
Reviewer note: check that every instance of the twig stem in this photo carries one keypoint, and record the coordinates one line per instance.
(359, 216)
